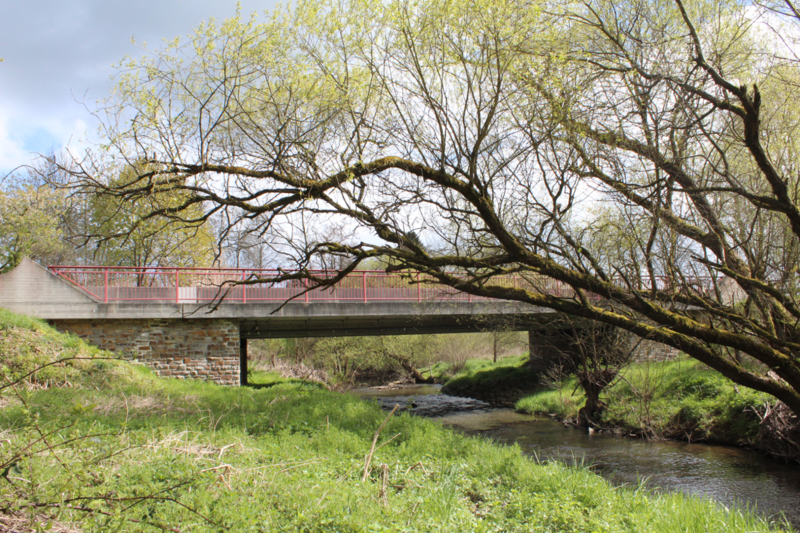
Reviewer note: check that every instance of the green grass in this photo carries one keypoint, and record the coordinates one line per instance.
(561, 402)
(443, 371)
(259, 379)
(439, 371)
(680, 398)
(478, 367)
(483, 374)
(139, 453)
(27, 344)
(684, 396)
(674, 398)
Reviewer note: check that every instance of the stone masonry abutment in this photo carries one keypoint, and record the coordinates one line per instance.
(185, 349)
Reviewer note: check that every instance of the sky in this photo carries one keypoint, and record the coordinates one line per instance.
(59, 56)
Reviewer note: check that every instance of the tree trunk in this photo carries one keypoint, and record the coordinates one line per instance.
(415, 374)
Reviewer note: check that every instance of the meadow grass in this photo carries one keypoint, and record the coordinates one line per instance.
(475, 367)
(134, 452)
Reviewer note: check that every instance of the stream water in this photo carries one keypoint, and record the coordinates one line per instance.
(729, 475)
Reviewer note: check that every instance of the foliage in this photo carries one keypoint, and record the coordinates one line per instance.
(163, 454)
(31, 225)
(348, 360)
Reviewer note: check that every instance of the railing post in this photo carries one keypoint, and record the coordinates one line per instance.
(419, 289)
(305, 286)
(105, 285)
(177, 286)
(364, 284)
(244, 287)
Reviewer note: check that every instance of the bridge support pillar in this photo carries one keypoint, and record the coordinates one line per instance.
(542, 357)
(185, 349)
(242, 362)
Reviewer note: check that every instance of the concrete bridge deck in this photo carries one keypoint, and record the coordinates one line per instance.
(366, 303)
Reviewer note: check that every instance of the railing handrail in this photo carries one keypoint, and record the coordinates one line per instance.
(104, 283)
(87, 268)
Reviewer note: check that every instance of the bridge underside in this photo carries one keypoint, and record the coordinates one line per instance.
(326, 326)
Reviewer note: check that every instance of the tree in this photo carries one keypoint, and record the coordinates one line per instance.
(595, 354)
(494, 131)
(31, 225)
(39, 220)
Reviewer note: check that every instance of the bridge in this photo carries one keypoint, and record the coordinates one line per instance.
(195, 322)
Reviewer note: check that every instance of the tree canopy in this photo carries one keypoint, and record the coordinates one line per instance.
(31, 225)
(641, 153)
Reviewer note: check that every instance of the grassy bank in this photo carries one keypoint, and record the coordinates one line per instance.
(500, 383)
(674, 399)
(681, 399)
(104, 445)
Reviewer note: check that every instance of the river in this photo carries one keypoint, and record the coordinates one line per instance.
(729, 475)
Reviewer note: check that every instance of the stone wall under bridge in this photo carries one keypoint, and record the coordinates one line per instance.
(186, 349)
(212, 349)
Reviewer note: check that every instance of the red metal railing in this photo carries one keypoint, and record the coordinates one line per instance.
(198, 285)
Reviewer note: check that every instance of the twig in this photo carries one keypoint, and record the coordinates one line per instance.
(384, 482)
(418, 464)
(387, 442)
(368, 459)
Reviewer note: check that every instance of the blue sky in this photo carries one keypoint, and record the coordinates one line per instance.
(58, 57)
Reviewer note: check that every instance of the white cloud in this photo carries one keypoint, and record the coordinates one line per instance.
(12, 152)
(58, 54)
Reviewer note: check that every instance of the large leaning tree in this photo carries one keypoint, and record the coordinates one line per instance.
(643, 154)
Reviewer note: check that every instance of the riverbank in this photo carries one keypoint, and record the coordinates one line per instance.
(501, 384)
(103, 445)
(679, 399)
